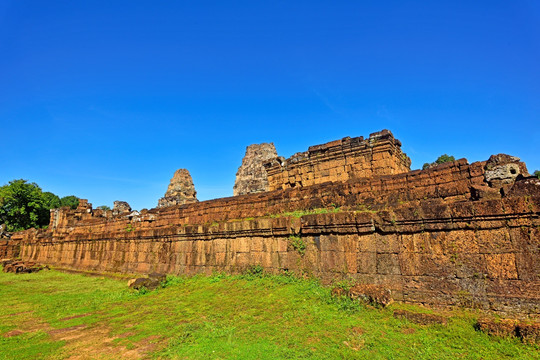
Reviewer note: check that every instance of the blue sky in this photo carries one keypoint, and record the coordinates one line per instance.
(105, 100)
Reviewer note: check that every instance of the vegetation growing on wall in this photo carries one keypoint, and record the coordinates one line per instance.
(440, 160)
(297, 244)
(300, 213)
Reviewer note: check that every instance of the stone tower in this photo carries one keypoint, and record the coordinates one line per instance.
(251, 176)
(180, 191)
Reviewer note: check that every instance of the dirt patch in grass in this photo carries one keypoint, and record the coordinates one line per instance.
(75, 317)
(59, 332)
(86, 342)
(83, 342)
(20, 313)
(354, 345)
(13, 333)
(408, 331)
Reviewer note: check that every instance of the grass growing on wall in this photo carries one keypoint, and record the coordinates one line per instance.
(53, 315)
(300, 213)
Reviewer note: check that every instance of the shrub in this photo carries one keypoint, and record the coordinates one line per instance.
(255, 271)
(444, 158)
(297, 244)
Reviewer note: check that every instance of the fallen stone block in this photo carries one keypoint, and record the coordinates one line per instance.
(373, 294)
(370, 294)
(158, 276)
(529, 333)
(500, 328)
(21, 267)
(420, 318)
(153, 281)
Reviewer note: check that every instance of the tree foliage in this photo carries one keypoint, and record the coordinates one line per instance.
(444, 158)
(71, 200)
(104, 207)
(52, 201)
(440, 160)
(24, 205)
(537, 173)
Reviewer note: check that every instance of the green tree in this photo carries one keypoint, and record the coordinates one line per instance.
(22, 206)
(444, 158)
(71, 200)
(440, 160)
(537, 173)
(51, 201)
(104, 207)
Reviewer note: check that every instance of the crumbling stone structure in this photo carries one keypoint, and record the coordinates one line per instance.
(449, 235)
(340, 160)
(120, 207)
(180, 191)
(251, 177)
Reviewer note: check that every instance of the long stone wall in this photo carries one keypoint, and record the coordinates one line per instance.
(483, 254)
(443, 236)
(452, 182)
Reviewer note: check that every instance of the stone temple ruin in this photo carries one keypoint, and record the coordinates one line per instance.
(251, 177)
(459, 233)
(180, 191)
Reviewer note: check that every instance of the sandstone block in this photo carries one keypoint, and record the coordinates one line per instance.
(367, 262)
(388, 264)
(501, 266)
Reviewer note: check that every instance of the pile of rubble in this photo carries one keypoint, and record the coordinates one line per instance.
(21, 267)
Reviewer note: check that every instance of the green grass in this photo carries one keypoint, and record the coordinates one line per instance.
(300, 213)
(222, 317)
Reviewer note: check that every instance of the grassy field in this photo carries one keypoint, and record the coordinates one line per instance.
(54, 315)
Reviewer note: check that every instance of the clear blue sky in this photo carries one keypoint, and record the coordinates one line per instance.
(105, 100)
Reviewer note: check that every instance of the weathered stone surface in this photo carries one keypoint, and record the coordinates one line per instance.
(251, 177)
(148, 283)
(525, 187)
(121, 207)
(180, 191)
(340, 160)
(21, 267)
(528, 332)
(504, 169)
(9, 249)
(370, 294)
(420, 318)
(158, 276)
